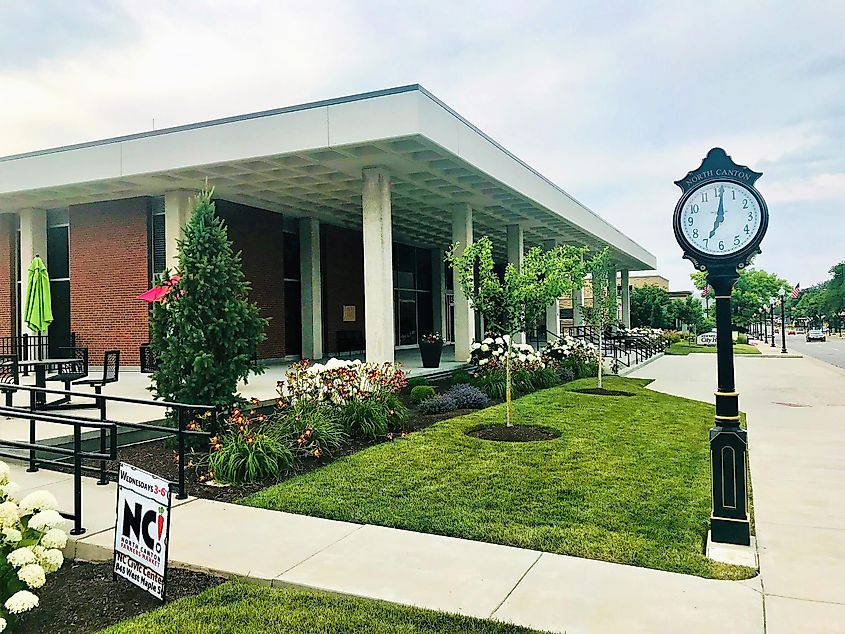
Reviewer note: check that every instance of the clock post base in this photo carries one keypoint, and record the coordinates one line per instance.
(729, 531)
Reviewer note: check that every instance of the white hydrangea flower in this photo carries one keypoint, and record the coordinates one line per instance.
(4, 472)
(506, 338)
(38, 501)
(12, 536)
(20, 602)
(500, 341)
(485, 347)
(21, 557)
(488, 340)
(2, 624)
(45, 520)
(482, 361)
(54, 538)
(51, 560)
(496, 352)
(9, 514)
(475, 345)
(8, 491)
(33, 575)
(522, 357)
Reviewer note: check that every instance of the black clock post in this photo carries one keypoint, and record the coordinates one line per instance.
(722, 258)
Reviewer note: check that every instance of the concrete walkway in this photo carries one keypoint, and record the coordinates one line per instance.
(540, 590)
(796, 435)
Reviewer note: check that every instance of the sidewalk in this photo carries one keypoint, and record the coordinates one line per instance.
(540, 590)
(796, 436)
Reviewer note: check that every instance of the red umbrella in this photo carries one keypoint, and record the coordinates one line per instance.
(157, 293)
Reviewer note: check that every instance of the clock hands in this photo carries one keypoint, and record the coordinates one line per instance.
(720, 212)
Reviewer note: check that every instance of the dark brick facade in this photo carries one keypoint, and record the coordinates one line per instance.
(258, 235)
(108, 268)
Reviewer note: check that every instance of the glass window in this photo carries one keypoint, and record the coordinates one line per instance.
(290, 252)
(158, 257)
(57, 253)
(423, 269)
(407, 311)
(404, 266)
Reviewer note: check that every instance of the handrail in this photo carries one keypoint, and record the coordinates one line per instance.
(37, 412)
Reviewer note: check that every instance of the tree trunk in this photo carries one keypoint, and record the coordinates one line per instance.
(601, 355)
(508, 384)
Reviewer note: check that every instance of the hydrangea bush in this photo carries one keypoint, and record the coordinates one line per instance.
(339, 381)
(494, 349)
(569, 347)
(33, 537)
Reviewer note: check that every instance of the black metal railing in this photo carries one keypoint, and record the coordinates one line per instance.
(27, 347)
(622, 348)
(108, 432)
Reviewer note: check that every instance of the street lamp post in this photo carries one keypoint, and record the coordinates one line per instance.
(782, 294)
(772, 314)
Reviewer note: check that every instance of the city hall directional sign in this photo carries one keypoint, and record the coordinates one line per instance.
(719, 222)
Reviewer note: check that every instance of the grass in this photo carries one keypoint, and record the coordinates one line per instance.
(627, 481)
(239, 608)
(684, 348)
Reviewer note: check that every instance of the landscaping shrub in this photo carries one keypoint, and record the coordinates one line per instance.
(493, 383)
(438, 404)
(543, 377)
(421, 392)
(564, 373)
(522, 381)
(467, 396)
(249, 457)
(312, 429)
(339, 382)
(461, 376)
(30, 550)
(742, 338)
(673, 336)
(417, 381)
(374, 416)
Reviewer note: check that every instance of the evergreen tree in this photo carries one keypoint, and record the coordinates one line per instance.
(205, 332)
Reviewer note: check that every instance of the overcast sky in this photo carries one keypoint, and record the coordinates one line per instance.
(611, 100)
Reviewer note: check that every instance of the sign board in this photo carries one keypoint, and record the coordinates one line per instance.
(142, 529)
(706, 339)
(349, 312)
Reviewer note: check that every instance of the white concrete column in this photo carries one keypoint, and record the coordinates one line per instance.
(464, 315)
(178, 206)
(516, 250)
(438, 290)
(378, 265)
(311, 289)
(33, 242)
(626, 297)
(577, 307)
(553, 310)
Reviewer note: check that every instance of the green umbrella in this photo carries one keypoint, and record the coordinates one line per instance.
(38, 313)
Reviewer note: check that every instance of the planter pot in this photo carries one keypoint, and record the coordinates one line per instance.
(430, 353)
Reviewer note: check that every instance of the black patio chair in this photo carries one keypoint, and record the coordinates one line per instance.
(111, 370)
(72, 370)
(8, 374)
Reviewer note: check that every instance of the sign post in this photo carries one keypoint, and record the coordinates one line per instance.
(142, 529)
(719, 222)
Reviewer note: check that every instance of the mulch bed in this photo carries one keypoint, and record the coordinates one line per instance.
(517, 433)
(81, 598)
(600, 391)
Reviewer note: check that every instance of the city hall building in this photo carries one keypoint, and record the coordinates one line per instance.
(342, 209)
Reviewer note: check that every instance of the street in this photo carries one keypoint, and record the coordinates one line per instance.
(831, 351)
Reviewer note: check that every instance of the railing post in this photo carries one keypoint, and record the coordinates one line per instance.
(32, 407)
(180, 417)
(77, 481)
(101, 404)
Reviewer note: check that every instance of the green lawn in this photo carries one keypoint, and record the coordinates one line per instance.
(684, 348)
(627, 481)
(239, 608)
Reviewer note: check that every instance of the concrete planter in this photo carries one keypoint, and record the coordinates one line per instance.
(430, 353)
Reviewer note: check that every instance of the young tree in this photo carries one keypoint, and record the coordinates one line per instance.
(516, 302)
(603, 311)
(753, 290)
(205, 332)
(689, 311)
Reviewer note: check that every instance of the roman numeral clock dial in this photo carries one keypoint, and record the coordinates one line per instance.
(720, 218)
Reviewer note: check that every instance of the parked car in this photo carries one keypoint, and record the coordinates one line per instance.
(791, 331)
(815, 334)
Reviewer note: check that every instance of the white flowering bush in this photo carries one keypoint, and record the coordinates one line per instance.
(32, 537)
(493, 349)
(339, 381)
(654, 335)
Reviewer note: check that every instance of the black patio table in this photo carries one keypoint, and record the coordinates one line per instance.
(41, 366)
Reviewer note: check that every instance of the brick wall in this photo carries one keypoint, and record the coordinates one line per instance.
(342, 252)
(8, 305)
(258, 234)
(108, 268)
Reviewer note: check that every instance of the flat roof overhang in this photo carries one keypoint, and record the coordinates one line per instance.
(307, 160)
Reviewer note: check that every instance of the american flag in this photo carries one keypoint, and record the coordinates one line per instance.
(796, 291)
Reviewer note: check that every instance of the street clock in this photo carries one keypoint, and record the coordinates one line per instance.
(720, 218)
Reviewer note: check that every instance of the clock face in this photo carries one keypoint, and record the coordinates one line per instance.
(720, 218)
